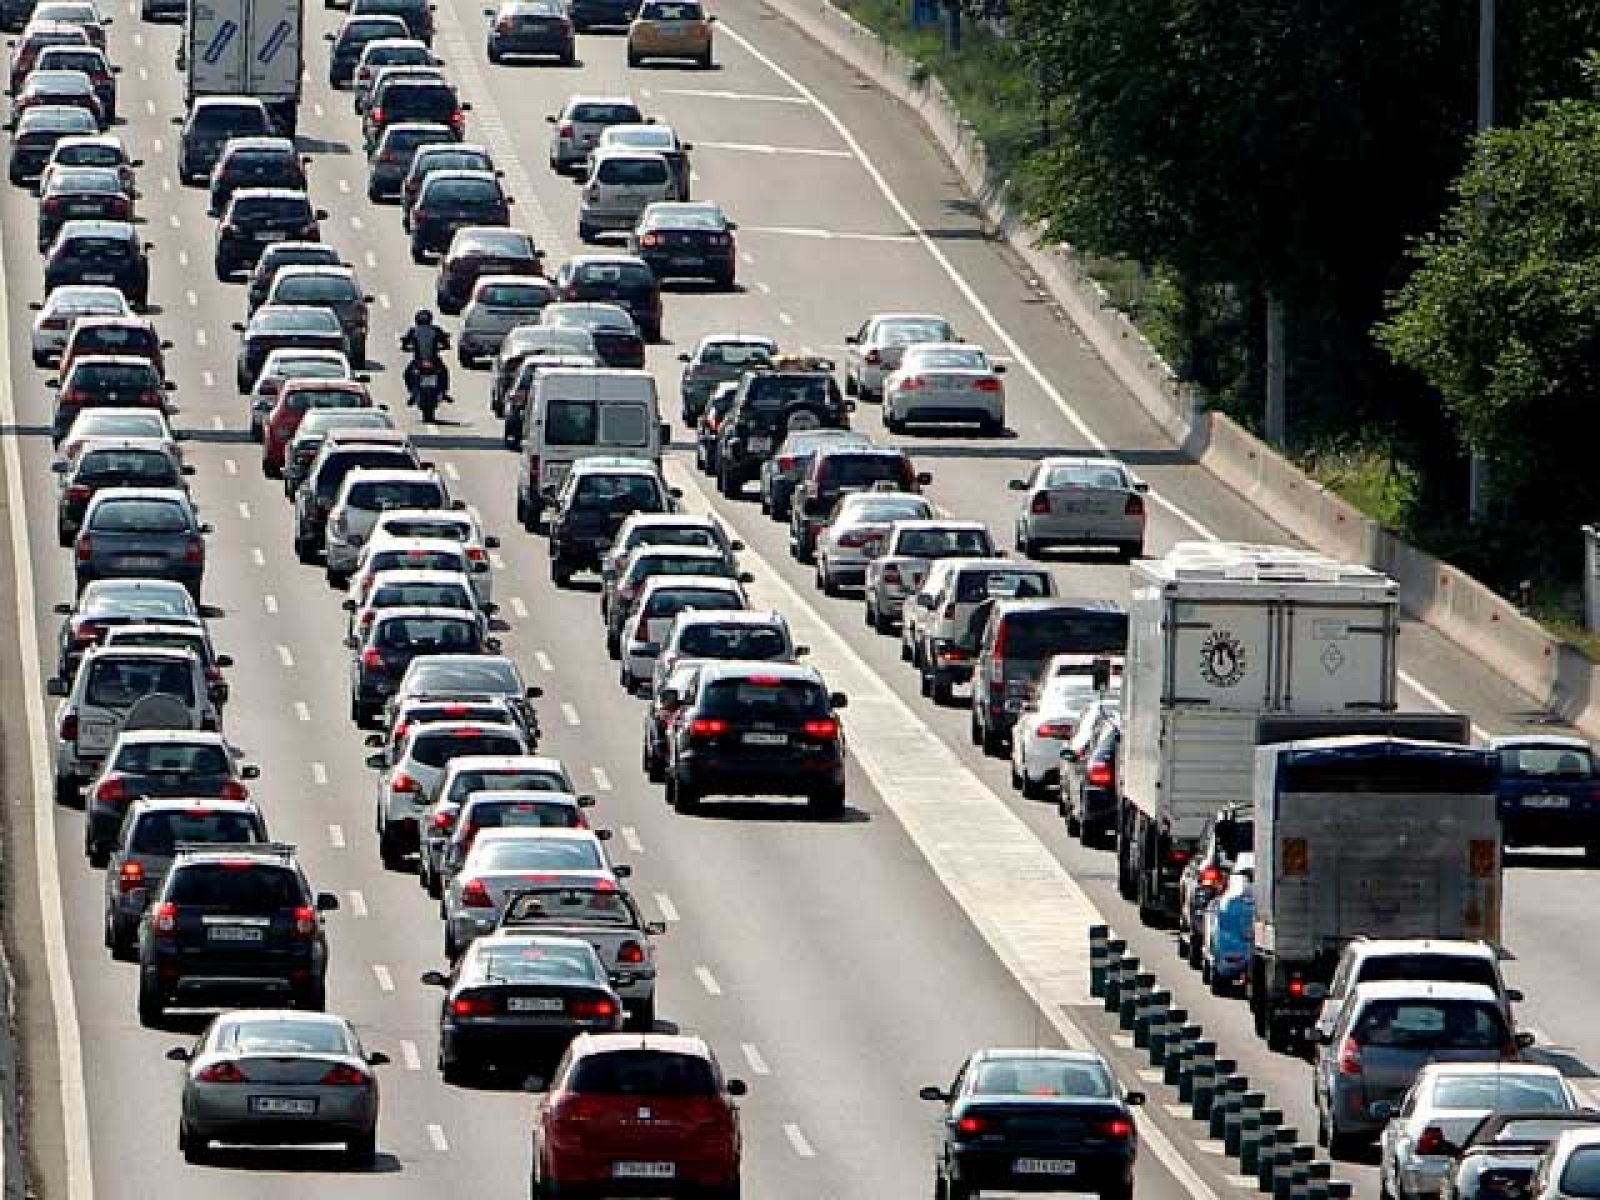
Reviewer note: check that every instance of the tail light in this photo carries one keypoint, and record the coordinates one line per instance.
(232, 789)
(222, 1072)
(1099, 773)
(1297, 987)
(970, 1125)
(1432, 1141)
(1134, 506)
(950, 654)
(912, 383)
(372, 660)
(377, 116)
(194, 550)
(707, 727)
(987, 383)
(85, 547)
(67, 727)
(344, 1075)
(652, 239)
(52, 205)
(130, 877)
(891, 574)
(1040, 504)
(874, 358)
(165, 920)
(824, 729)
(1177, 856)
(857, 538)
(404, 783)
(630, 952)
(564, 129)
(505, 25)
(1211, 877)
(443, 821)
(641, 631)
(786, 462)
(458, 118)
(1117, 1127)
(1350, 1057)
(472, 1006)
(476, 554)
(474, 894)
(1060, 730)
(600, 1007)
(112, 791)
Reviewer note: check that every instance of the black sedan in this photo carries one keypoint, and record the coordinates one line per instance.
(452, 200)
(518, 999)
(616, 337)
(255, 162)
(81, 194)
(274, 326)
(1038, 1120)
(687, 241)
(256, 218)
(621, 279)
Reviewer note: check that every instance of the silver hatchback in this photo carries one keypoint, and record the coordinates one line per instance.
(1081, 501)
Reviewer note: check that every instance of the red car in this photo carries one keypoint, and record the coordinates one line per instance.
(638, 1115)
(296, 398)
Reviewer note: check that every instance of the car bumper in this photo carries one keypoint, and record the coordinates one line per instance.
(670, 47)
(1069, 531)
(952, 409)
(530, 43)
(997, 1168)
(503, 1040)
(1553, 827)
(610, 218)
(692, 265)
(233, 985)
(733, 773)
(222, 1111)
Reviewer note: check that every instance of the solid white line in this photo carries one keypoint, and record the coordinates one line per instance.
(829, 235)
(409, 1055)
(302, 710)
(708, 981)
(382, 975)
(713, 95)
(371, 259)
(436, 1136)
(336, 836)
(518, 609)
(319, 774)
(630, 839)
(602, 781)
(797, 1141)
(1429, 696)
(270, 602)
(758, 1065)
(258, 556)
(570, 714)
(543, 659)
(762, 148)
(58, 972)
(285, 656)
(358, 903)
(667, 909)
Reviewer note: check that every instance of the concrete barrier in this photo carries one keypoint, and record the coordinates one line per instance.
(1485, 625)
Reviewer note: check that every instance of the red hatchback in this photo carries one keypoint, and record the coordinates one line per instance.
(638, 1115)
(295, 399)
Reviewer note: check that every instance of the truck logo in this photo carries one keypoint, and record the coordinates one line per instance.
(274, 42)
(219, 43)
(1222, 659)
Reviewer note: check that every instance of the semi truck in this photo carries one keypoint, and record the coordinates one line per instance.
(1365, 835)
(1220, 635)
(246, 48)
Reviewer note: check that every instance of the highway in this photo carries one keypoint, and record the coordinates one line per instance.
(835, 966)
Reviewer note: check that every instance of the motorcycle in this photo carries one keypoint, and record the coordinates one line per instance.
(427, 389)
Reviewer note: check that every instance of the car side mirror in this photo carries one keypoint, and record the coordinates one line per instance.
(933, 1094)
(56, 687)
(737, 1087)
(1322, 1036)
(850, 339)
(61, 610)
(37, 306)
(212, 612)
(1133, 1099)
(186, 469)
(585, 800)
(998, 368)
(377, 1059)
(1514, 995)
(535, 1083)
(549, 119)
(655, 928)
(924, 477)
(204, 528)
(801, 651)
(351, 641)
(320, 214)
(622, 871)
(179, 1054)
(1381, 1111)
(746, 577)
(533, 691)
(1524, 1040)
(53, 382)
(249, 771)
(838, 700)
(436, 979)
(224, 660)
(736, 546)
(491, 542)
(327, 902)
(683, 358)
(1068, 754)
(375, 761)
(237, 326)
(1140, 485)
(603, 835)
(348, 606)
(1018, 485)
(179, 120)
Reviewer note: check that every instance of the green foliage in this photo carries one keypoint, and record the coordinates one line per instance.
(1370, 478)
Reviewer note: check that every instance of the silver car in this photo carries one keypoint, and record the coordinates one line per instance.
(855, 531)
(749, 636)
(659, 529)
(577, 127)
(876, 347)
(498, 304)
(473, 773)
(306, 1080)
(718, 358)
(903, 558)
(939, 381)
(1419, 1145)
(1081, 501)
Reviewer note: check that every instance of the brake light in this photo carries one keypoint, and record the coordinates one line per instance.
(165, 920)
(474, 894)
(873, 357)
(232, 789)
(443, 820)
(130, 877)
(372, 660)
(194, 550)
(1099, 773)
(601, 1007)
(472, 1006)
(1350, 1057)
(1297, 986)
(786, 462)
(1211, 877)
(377, 116)
(53, 204)
(85, 547)
(630, 952)
(305, 921)
(651, 239)
(476, 554)
(1040, 504)
(950, 654)
(971, 1124)
(1177, 856)
(404, 783)
(1432, 1141)
(344, 1075)
(913, 383)
(987, 383)
(1117, 1127)
(67, 727)
(641, 631)
(1134, 507)
(564, 129)
(824, 729)
(112, 791)
(222, 1072)
(891, 574)
(856, 538)
(1055, 729)
(705, 727)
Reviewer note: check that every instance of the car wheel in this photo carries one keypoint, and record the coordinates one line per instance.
(625, 679)
(419, 252)
(825, 580)
(1032, 789)
(389, 852)
(313, 999)
(337, 579)
(194, 1149)
(850, 386)
(1195, 953)
(1131, 551)
(883, 623)
(559, 575)
(305, 551)
(151, 1007)
(67, 793)
(633, 59)
(993, 427)
(362, 1151)
(223, 268)
(98, 854)
(684, 799)
(893, 423)
(495, 56)
(613, 646)
(993, 742)
(828, 804)
(1027, 546)
(939, 687)
(586, 232)
(642, 1015)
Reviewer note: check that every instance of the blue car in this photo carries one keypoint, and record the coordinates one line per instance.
(1548, 793)
(1225, 950)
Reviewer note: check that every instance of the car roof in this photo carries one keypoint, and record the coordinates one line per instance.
(1082, 460)
(464, 728)
(732, 616)
(1042, 603)
(391, 475)
(1041, 1053)
(186, 736)
(586, 1045)
(1363, 948)
(712, 583)
(510, 762)
(587, 98)
(614, 259)
(517, 833)
(105, 360)
(735, 669)
(936, 522)
(234, 101)
(145, 804)
(404, 612)
(398, 576)
(165, 495)
(269, 193)
(79, 228)
(522, 795)
(313, 270)
(1435, 1069)
(1422, 989)
(667, 549)
(398, 542)
(1554, 741)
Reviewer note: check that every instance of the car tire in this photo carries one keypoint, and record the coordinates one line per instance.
(685, 800)
(151, 1008)
(569, 58)
(68, 794)
(828, 804)
(223, 269)
(1070, 816)
(705, 62)
(41, 360)
(419, 252)
(613, 646)
(625, 679)
(1131, 551)
(314, 999)
(883, 623)
(642, 1015)
(1119, 1191)
(825, 580)
(194, 1149)
(893, 423)
(98, 854)
(1032, 789)
(992, 427)
(305, 551)
(633, 59)
(1027, 546)
(362, 1151)
(993, 743)
(389, 852)
(495, 57)
(337, 579)
(974, 730)
(559, 575)
(586, 232)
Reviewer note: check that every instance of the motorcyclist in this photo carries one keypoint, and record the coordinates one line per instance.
(425, 342)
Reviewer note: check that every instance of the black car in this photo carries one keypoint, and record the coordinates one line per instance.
(1498, 1158)
(383, 650)
(413, 101)
(601, 14)
(526, 28)
(1035, 1121)
(352, 38)
(37, 132)
(1548, 792)
(104, 381)
(92, 61)
(478, 250)
(274, 326)
(621, 279)
(793, 394)
(255, 162)
(417, 14)
(836, 470)
(211, 123)
(615, 334)
(1089, 782)
(391, 159)
(234, 926)
(81, 194)
(285, 254)
(112, 602)
(314, 498)
(757, 729)
(259, 217)
(591, 507)
(111, 464)
(452, 200)
(687, 241)
(108, 252)
(423, 161)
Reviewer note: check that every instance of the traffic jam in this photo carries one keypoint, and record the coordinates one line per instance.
(1231, 741)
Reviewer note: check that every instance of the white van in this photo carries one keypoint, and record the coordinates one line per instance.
(577, 412)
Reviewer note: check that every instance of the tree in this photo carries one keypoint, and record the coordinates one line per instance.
(1503, 317)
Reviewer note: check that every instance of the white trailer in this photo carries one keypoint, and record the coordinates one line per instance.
(246, 48)
(1219, 635)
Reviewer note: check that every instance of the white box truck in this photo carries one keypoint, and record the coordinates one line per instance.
(1364, 836)
(246, 48)
(1219, 635)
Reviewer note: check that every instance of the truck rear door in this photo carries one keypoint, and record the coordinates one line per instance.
(1222, 656)
(1338, 658)
(217, 37)
(273, 43)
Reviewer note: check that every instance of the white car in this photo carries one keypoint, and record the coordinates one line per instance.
(854, 534)
(65, 305)
(440, 524)
(907, 550)
(1081, 502)
(945, 381)
(501, 863)
(1045, 725)
(292, 362)
(364, 495)
(658, 605)
(411, 589)
(406, 554)
(498, 304)
(473, 773)
(661, 529)
(578, 126)
(876, 347)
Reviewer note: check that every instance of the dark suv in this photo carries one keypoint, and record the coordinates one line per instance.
(108, 252)
(591, 507)
(336, 459)
(255, 162)
(426, 101)
(620, 279)
(259, 217)
(233, 925)
(210, 124)
(479, 250)
(452, 200)
(794, 393)
(834, 471)
(757, 729)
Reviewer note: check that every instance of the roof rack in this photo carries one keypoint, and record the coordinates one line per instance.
(279, 850)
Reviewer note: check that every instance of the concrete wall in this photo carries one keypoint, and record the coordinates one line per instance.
(1483, 624)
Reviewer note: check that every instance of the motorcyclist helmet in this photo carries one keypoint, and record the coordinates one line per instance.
(424, 317)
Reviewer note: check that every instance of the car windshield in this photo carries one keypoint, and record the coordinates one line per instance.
(122, 683)
(1042, 1077)
(396, 493)
(514, 961)
(1432, 968)
(486, 677)
(1581, 1175)
(614, 491)
(243, 887)
(437, 749)
(1547, 762)
(172, 758)
(143, 466)
(423, 635)
(597, 906)
(159, 833)
(1428, 1024)
(754, 697)
(118, 515)
(289, 1037)
(537, 854)
(670, 601)
(740, 641)
(1500, 1091)
(642, 1072)
(505, 780)
(1089, 475)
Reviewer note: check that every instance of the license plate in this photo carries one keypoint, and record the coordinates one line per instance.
(283, 1106)
(766, 739)
(685, 260)
(235, 933)
(535, 1004)
(1044, 1166)
(271, 235)
(98, 277)
(139, 562)
(760, 445)
(1546, 802)
(75, 209)
(644, 1170)
(96, 735)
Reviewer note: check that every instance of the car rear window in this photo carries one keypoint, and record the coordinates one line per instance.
(437, 749)
(468, 782)
(114, 339)
(1039, 635)
(635, 172)
(270, 208)
(160, 832)
(424, 527)
(677, 564)
(755, 696)
(305, 399)
(632, 275)
(944, 543)
(217, 121)
(1428, 1024)
(172, 758)
(113, 376)
(590, 905)
(143, 466)
(1430, 968)
(315, 289)
(675, 10)
(247, 888)
(666, 535)
(428, 635)
(90, 156)
(1500, 1091)
(733, 641)
(669, 602)
(396, 493)
(853, 470)
(1042, 1077)
(120, 684)
(1547, 762)
(116, 249)
(530, 296)
(422, 595)
(418, 559)
(1098, 476)
(642, 1072)
(516, 814)
(597, 490)
(462, 191)
(538, 854)
(515, 962)
(606, 114)
(974, 586)
(118, 515)
(489, 677)
(774, 392)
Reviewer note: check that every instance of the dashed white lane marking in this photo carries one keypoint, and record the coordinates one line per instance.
(746, 257)
(667, 909)
(763, 148)
(602, 781)
(708, 981)
(166, 183)
(519, 610)
(758, 1065)
(371, 259)
(216, 423)
(705, 94)
(764, 288)
(156, 142)
(357, 223)
(183, 258)
(150, 107)
(543, 659)
(436, 1136)
(200, 337)
(230, 466)
(570, 714)
(336, 836)
(409, 1055)
(797, 1141)
(244, 510)
(302, 711)
(144, 73)
(174, 221)
(496, 561)
(190, 298)
(258, 556)
(269, 602)
(827, 235)
(317, 109)
(344, 186)
(138, 39)
(207, 378)
(1429, 696)
(319, 774)
(358, 903)
(630, 839)
(452, 472)
(285, 656)
(385, 979)
(786, 318)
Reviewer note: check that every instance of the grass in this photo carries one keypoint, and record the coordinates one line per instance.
(1370, 478)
